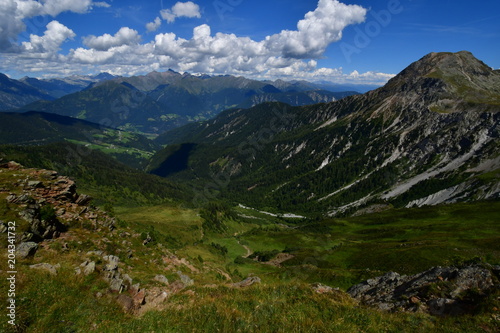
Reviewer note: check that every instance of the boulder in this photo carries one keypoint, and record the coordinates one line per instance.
(126, 302)
(127, 280)
(186, 280)
(139, 298)
(95, 253)
(35, 184)
(441, 306)
(52, 269)
(11, 198)
(116, 285)
(135, 288)
(161, 278)
(83, 200)
(155, 298)
(247, 282)
(26, 249)
(88, 267)
(112, 262)
(22, 199)
(12, 165)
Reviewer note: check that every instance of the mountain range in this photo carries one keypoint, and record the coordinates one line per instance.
(267, 217)
(14, 94)
(59, 87)
(429, 136)
(156, 102)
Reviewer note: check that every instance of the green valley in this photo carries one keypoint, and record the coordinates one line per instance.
(372, 213)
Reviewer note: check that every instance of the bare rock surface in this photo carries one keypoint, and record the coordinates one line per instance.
(439, 290)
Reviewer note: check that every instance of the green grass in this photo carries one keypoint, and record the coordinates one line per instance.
(342, 251)
(337, 252)
(287, 308)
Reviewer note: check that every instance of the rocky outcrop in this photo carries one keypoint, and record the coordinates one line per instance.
(247, 282)
(49, 203)
(161, 279)
(49, 206)
(26, 249)
(52, 269)
(439, 290)
(86, 268)
(186, 280)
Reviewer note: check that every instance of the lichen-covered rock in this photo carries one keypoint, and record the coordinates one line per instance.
(186, 280)
(52, 269)
(26, 249)
(247, 282)
(161, 278)
(393, 292)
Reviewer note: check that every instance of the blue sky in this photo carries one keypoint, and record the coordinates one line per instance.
(355, 42)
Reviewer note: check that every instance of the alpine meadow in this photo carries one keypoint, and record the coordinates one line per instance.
(237, 166)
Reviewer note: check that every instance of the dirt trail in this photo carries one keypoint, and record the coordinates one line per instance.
(249, 251)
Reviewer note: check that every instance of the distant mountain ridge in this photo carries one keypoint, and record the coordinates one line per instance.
(58, 87)
(15, 94)
(429, 136)
(157, 102)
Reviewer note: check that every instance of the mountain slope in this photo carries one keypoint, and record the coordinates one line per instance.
(429, 136)
(14, 93)
(38, 128)
(111, 104)
(157, 102)
(103, 177)
(58, 87)
(150, 268)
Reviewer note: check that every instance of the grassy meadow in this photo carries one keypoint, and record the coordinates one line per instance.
(336, 252)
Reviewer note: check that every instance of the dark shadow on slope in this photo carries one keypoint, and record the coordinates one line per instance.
(175, 161)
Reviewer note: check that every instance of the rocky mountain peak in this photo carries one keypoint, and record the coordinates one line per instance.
(446, 65)
(458, 76)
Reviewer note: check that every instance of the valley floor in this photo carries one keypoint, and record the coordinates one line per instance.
(287, 260)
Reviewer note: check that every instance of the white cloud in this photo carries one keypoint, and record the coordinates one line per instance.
(86, 56)
(125, 36)
(153, 26)
(51, 41)
(13, 12)
(55, 7)
(289, 54)
(181, 9)
(101, 4)
(317, 30)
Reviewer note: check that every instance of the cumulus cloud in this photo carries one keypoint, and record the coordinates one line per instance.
(317, 30)
(125, 36)
(288, 54)
(50, 42)
(55, 7)
(181, 9)
(153, 26)
(13, 12)
(101, 4)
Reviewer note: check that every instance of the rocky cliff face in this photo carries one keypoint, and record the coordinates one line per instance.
(429, 136)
